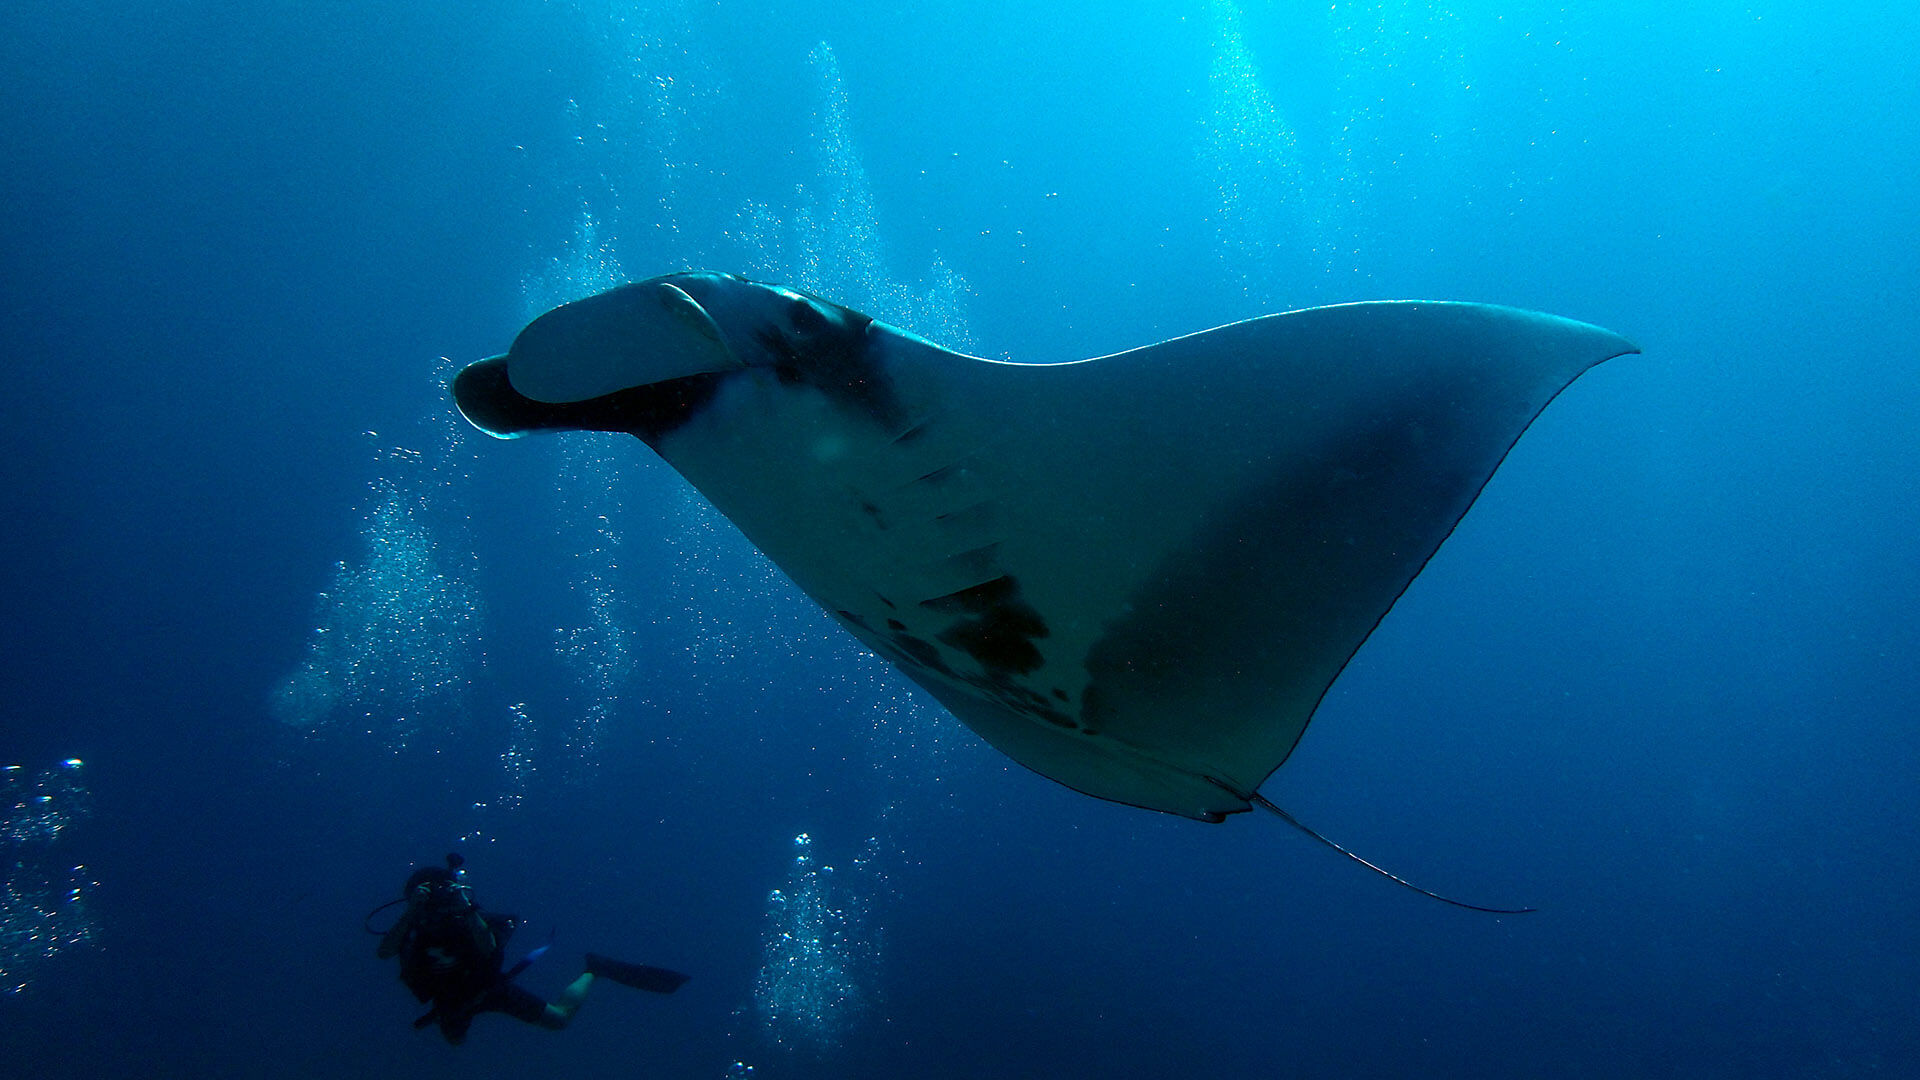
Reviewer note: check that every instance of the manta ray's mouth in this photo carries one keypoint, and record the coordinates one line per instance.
(639, 358)
(489, 402)
(486, 397)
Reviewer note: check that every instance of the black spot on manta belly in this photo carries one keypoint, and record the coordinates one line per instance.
(1021, 699)
(833, 357)
(920, 651)
(996, 627)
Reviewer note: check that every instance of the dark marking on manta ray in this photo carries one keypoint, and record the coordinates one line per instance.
(901, 647)
(831, 356)
(919, 657)
(1021, 699)
(923, 652)
(997, 629)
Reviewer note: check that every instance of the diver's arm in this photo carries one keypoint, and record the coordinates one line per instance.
(491, 929)
(395, 938)
(489, 932)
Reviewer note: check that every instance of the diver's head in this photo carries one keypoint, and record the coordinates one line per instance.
(439, 885)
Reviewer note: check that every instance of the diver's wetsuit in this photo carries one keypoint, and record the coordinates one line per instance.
(451, 955)
(451, 952)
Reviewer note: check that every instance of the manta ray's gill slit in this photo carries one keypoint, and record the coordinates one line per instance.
(912, 434)
(977, 513)
(981, 563)
(942, 475)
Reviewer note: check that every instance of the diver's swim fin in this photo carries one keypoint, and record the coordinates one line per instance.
(638, 976)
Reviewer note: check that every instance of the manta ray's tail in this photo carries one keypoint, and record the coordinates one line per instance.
(1263, 803)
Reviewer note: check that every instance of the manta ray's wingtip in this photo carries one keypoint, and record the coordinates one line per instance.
(1611, 344)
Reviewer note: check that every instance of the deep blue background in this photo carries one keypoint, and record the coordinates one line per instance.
(1659, 683)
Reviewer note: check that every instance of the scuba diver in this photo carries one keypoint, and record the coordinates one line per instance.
(452, 955)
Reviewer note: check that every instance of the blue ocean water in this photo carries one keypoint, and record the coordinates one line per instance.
(279, 626)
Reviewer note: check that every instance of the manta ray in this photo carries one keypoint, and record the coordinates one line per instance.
(1137, 574)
